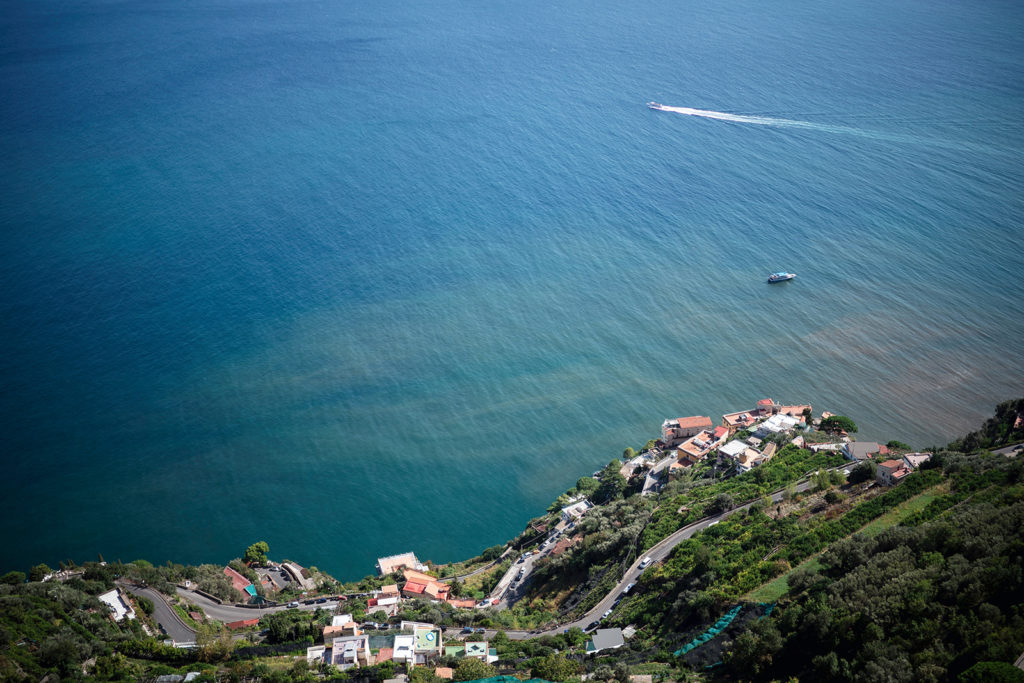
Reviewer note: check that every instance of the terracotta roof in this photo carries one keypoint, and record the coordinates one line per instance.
(385, 654)
(891, 464)
(696, 421)
(444, 672)
(720, 431)
(766, 402)
(238, 581)
(244, 623)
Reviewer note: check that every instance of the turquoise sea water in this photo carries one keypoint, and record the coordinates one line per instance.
(362, 278)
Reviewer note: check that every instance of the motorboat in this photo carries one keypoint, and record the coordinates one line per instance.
(781, 277)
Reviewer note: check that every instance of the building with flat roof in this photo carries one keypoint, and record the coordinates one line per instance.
(119, 606)
(392, 563)
(605, 639)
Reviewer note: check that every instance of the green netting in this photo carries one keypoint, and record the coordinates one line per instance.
(719, 626)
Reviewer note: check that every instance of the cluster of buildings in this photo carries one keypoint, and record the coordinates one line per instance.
(694, 438)
(889, 472)
(418, 644)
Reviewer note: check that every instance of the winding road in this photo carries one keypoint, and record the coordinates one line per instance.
(164, 614)
(657, 553)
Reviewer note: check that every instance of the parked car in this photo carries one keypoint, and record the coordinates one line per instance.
(467, 630)
(628, 588)
(293, 603)
(607, 613)
(481, 630)
(592, 625)
(646, 563)
(321, 601)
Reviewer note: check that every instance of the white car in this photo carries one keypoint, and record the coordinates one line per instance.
(646, 563)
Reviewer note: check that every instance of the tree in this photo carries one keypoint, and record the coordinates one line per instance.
(628, 454)
(587, 485)
(865, 471)
(612, 483)
(897, 446)
(838, 423)
(38, 572)
(492, 553)
(257, 553)
(473, 669)
(722, 503)
(13, 578)
(555, 668)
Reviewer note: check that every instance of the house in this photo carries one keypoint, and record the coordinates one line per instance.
(392, 563)
(316, 653)
(445, 672)
(859, 450)
(350, 652)
(915, 460)
(240, 583)
(675, 431)
(891, 472)
(748, 460)
(420, 585)
(733, 449)
(768, 452)
(776, 424)
(242, 623)
(341, 625)
(573, 512)
(563, 545)
(404, 651)
(426, 642)
(743, 419)
(119, 606)
(696, 447)
(605, 639)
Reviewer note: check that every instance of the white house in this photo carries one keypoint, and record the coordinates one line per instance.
(119, 607)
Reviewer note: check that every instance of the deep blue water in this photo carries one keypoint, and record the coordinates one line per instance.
(361, 278)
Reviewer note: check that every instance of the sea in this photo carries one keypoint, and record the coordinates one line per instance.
(360, 278)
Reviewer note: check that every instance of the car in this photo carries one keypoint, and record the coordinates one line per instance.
(467, 630)
(481, 630)
(628, 588)
(645, 563)
(607, 613)
(293, 603)
(321, 601)
(592, 625)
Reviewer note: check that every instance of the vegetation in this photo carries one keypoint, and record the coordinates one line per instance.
(256, 554)
(838, 423)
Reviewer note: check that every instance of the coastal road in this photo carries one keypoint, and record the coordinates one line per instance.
(227, 613)
(164, 614)
(657, 553)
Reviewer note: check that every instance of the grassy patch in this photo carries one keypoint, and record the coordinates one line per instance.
(189, 621)
(779, 586)
(898, 514)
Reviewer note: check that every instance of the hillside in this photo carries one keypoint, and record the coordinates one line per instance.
(806, 574)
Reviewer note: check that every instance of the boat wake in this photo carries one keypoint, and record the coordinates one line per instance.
(737, 118)
(806, 125)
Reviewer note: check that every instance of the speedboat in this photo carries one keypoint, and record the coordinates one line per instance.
(781, 277)
(655, 105)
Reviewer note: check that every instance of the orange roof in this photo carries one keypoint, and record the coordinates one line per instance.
(238, 581)
(695, 421)
(385, 654)
(390, 589)
(244, 623)
(891, 464)
(766, 402)
(413, 575)
(444, 672)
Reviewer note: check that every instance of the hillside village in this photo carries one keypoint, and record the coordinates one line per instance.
(579, 579)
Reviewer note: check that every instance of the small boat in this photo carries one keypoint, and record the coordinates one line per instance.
(781, 277)
(655, 105)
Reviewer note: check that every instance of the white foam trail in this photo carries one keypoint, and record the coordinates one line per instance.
(806, 125)
(737, 118)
